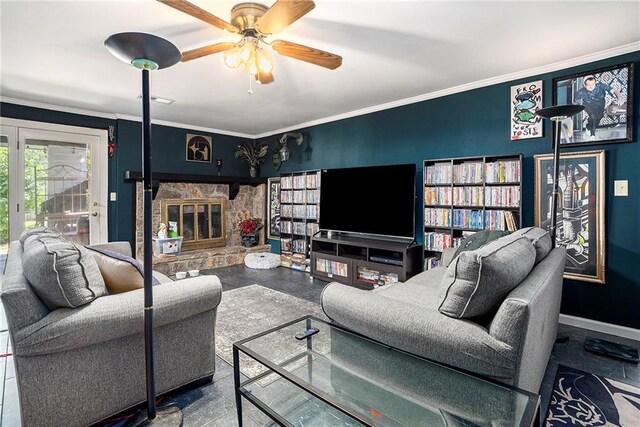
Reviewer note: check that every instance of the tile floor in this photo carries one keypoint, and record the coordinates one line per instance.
(213, 404)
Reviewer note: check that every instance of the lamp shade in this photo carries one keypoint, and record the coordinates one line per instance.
(129, 47)
(560, 112)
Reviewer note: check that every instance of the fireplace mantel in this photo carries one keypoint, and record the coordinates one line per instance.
(233, 182)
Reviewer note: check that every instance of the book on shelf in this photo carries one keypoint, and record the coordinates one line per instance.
(437, 217)
(468, 218)
(502, 171)
(286, 196)
(508, 196)
(286, 183)
(437, 195)
(432, 262)
(312, 180)
(438, 173)
(468, 196)
(468, 173)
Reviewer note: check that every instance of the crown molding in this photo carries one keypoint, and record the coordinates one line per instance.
(186, 126)
(60, 108)
(531, 72)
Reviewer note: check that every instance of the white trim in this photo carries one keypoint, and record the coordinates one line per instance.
(594, 325)
(36, 104)
(98, 143)
(185, 126)
(531, 72)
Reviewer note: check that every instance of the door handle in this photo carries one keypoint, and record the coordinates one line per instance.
(94, 213)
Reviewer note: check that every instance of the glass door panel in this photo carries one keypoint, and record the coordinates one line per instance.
(4, 200)
(56, 187)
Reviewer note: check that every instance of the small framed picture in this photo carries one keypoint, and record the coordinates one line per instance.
(580, 213)
(273, 207)
(607, 96)
(199, 148)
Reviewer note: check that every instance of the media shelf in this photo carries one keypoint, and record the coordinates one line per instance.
(362, 262)
(463, 195)
(300, 215)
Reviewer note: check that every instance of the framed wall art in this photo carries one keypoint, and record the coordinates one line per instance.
(580, 213)
(199, 148)
(526, 99)
(607, 95)
(273, 208)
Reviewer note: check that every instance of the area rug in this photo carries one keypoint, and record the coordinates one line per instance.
(250, 310)
(588, 400)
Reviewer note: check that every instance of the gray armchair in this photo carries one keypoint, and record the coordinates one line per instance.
(77, 366)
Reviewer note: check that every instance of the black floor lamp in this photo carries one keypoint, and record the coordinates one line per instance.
(557, 114)
(147, 52)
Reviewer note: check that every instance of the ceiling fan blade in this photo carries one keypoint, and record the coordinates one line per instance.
(196, 12)
(282, 14)
(206, 50)
(307, 54)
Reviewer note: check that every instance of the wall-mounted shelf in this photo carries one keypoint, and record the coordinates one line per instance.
(234, 182)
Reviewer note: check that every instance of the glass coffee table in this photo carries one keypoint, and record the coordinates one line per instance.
(338, 378)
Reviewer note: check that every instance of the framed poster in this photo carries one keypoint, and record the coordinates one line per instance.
(580, 213)
(199, 148)
(526, 99)
(607, 95)
(273, 208)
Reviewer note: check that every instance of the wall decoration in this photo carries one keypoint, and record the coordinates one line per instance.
(273, 206)
(199, 148)
(607, 94)
(580, 210)
(526, 99)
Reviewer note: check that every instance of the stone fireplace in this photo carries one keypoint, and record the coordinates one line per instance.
(206, 215)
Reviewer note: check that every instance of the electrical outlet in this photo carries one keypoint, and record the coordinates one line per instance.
(112, 196)
(621, 188)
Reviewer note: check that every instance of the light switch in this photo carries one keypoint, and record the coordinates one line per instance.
(621, 188)
(112, 196)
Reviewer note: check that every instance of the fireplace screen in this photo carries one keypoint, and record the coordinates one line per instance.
(199, 222)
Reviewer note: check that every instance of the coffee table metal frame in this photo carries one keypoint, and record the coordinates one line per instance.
(530, 413)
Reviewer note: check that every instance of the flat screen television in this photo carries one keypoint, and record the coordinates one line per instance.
(375, 200)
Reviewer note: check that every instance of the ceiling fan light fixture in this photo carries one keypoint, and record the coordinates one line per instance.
(232, 58)
(264, 62)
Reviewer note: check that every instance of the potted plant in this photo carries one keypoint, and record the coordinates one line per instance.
(249, 227)
(252, 153)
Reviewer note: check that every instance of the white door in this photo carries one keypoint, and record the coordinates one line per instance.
(57, 177)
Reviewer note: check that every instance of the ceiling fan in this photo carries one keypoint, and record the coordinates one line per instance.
(254, 22)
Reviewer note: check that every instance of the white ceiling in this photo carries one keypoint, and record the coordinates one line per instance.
(52, 52)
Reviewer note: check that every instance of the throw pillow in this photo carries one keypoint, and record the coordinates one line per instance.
(37, 230)
(61, 273)
(540, 238)
(476, 282)
(478, 239)
(121, 273)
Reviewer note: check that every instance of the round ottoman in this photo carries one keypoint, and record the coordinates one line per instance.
(262, 260)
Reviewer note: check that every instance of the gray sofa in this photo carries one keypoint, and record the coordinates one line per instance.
(511, 344)
(77, 366)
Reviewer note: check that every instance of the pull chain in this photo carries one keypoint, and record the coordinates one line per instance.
(250, 91)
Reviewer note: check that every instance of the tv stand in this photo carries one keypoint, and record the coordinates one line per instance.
(363, 262)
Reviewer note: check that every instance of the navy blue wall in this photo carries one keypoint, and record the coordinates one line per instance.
(476, 123)
(466, 124)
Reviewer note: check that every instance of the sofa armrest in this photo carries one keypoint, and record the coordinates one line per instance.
(114, 316)
(123, 248)
(419, 330)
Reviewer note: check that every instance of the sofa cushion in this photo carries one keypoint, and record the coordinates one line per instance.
(121, 273)
(61, 273)
(476, 282)
(540, 238)
(38, 230)
(478, 240)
